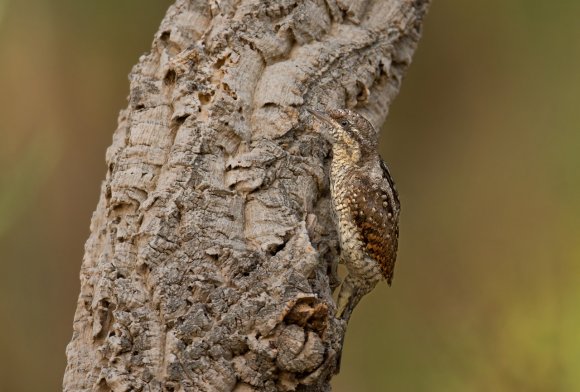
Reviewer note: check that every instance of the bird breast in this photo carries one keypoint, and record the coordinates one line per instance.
(352, 246)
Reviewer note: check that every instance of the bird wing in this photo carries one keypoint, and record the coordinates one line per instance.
(375, 209)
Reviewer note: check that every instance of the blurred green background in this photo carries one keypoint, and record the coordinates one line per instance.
(483, 141)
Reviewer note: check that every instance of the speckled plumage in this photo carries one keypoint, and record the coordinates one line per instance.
(366, 205)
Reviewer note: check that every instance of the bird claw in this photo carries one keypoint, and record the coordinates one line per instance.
(347, 300)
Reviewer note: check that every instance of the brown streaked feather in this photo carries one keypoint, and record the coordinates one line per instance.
(375, 211)
(389, 178)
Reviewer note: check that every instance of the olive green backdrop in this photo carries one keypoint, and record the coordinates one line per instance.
(483, 141)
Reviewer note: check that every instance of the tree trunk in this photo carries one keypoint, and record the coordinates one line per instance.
(209, 264)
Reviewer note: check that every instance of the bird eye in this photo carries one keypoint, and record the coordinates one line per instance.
(344, 123)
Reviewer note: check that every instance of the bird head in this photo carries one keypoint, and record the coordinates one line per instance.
(349, 132)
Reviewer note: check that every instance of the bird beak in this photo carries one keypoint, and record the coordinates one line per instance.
(321, 116)
(325, 120)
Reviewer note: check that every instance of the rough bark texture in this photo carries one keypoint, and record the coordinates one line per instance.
(208, 267)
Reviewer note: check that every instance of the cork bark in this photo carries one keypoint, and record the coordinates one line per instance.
(209, 263)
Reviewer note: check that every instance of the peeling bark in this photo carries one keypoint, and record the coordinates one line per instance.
(209, 264)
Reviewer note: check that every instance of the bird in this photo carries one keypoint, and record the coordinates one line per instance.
(365, 203)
